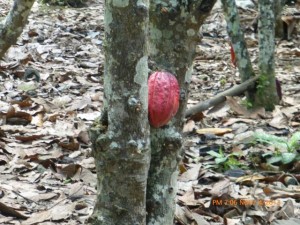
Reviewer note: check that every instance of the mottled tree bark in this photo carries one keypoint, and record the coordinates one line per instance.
(120, 139)
(239, 44)
(266, 89)
(13, 24)
(278, 6)
(173, 37)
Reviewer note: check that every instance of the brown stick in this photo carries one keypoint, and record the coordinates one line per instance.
(236, 90)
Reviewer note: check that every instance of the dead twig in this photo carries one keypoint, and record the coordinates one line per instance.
(234, 91)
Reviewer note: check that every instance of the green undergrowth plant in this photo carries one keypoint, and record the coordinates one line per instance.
(225, 161)
(285, 149)
(291, 145)
(262, 83)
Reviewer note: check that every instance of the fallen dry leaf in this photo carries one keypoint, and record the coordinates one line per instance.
(216, 131)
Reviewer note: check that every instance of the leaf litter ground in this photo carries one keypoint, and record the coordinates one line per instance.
(46, 171)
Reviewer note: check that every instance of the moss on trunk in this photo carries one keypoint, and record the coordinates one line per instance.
(266, 90)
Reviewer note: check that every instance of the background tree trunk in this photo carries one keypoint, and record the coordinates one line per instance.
(120, 140)
(13, 24)
(266, 89)
(173, 38)
(239, 45)
(278, 6)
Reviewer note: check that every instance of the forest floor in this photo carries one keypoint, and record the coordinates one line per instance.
(244, 169)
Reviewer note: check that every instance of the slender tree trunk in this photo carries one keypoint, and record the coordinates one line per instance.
(278, 6)
(266, 89)
(120, 140)
(173, 37)
(239, 44)
(14, 23)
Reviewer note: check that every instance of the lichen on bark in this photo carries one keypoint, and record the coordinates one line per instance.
(121, 137)
(173, 36)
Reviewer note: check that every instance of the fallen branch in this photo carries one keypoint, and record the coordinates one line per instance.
(234, 91)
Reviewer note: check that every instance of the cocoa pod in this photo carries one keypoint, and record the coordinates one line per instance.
(163, 98)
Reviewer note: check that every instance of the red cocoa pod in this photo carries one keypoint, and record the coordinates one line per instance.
(232, 54)
(163, 98)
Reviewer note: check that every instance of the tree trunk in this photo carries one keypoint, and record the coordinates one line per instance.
(239, 44)
(278, 6)
(266, 89)
(120, 139)
(13, 24)
(173, 37)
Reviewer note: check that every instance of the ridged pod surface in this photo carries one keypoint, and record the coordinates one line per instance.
(163, 98)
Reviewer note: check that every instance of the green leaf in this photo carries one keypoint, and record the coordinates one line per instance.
(270, 139)
(233, 161)
(220, 160)
(215, 154)
(274, 159)
(294, 142)
(288, 157)
(237, 154)
(297, 157)
(210, 166)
